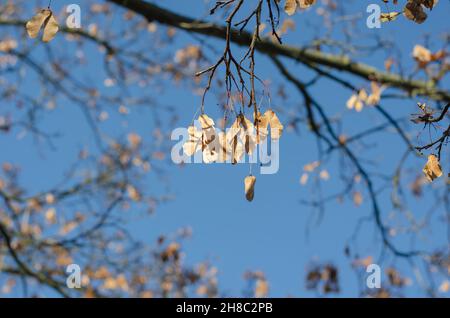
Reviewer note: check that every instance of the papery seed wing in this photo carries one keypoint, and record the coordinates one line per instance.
(210, 153)
(193, 144)
(375, 96)
(235, 128)
(430, 4)
(414, 11)
(290, 7)
(205, 121)
(237, 150)
(422, 54)
(51, 27)
(376, 88)
(352, 101)
(234, 149)
(224, 153)
(373, 99)
(261, 124)
(245, 123)
(359, 105)
(306, 3)
(247, 135)
(194, 133)
(249, 187)
(34, 25)
(190, 147)
(276, 128)
(432, 169)
(250, 144)
(208, 135)
(390, 16)
(362, 95)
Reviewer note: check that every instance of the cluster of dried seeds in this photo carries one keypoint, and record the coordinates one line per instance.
(230, 146)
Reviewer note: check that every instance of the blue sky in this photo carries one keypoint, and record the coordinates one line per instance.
(275, 233)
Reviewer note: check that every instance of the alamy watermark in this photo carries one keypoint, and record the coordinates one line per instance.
(374, 19)
(73, 21)
(74, 278)
(373, 280)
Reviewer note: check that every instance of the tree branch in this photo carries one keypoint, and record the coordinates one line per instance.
(308, 56)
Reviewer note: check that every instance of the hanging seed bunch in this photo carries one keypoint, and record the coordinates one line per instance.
(230, 145)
